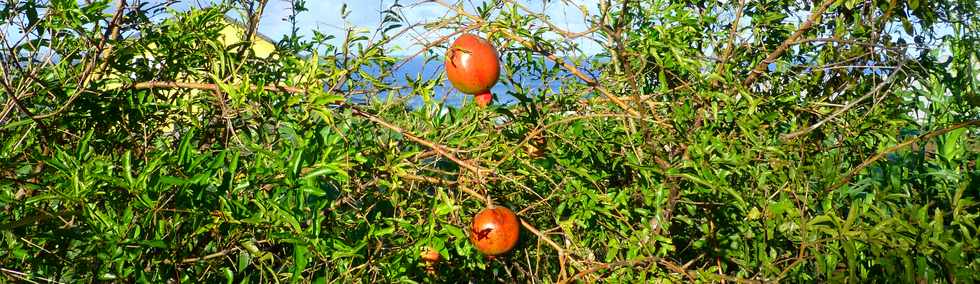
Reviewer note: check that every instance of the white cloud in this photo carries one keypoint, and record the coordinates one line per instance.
(324, 15)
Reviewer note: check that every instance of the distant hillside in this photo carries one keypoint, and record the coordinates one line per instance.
(502, 91)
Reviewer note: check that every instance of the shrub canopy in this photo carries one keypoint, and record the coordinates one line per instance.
(775, 140)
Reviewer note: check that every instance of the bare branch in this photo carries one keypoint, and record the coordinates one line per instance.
(848, 106)
(631, 263)
(850, 174)
(206, 86)
(568, 66)
(92, 60)
(733, 33)
(440, 149)
(814, 16)
(565, 33)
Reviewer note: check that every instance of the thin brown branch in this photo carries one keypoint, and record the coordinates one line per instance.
(568, 35)
(673, 196)
(347, 71)
(255, 15)
(796, 261)
(443, 182)
(574, 70)
(113, 35)
(814, 16)
(845, 41)
(732, 34)
(631, 263)
(429, 45)
(530, 45)
(428, 179)
(34, 219)
(562, 254)
(14, 96)
(537, 131)
(206, 86)
(647, 99)
(206, 257)
(850, 174)
(26, 277)
(891, 77)
(92, 60)
(29, 76)
(441, 150)
(536, 232)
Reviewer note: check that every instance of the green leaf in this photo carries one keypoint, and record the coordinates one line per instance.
(299, 256)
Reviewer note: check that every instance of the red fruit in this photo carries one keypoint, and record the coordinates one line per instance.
(430, 255)
(483, 99)
(494, 231)
(472, 65)
(430, 258)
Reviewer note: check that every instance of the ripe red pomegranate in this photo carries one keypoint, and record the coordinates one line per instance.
(472, 64)
(494, 231)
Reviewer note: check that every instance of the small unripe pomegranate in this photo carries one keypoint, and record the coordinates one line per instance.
(430, 257)
(495, 231)
(535, 147)
(483, 99)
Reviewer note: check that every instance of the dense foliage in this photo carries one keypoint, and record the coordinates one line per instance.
(771, 140)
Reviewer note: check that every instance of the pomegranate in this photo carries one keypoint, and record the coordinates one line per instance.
(483, 99)
(430, 257)
(472, 64)
(535, 147)
(495, 231)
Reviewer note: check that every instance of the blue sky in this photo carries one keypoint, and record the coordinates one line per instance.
(324, 15)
